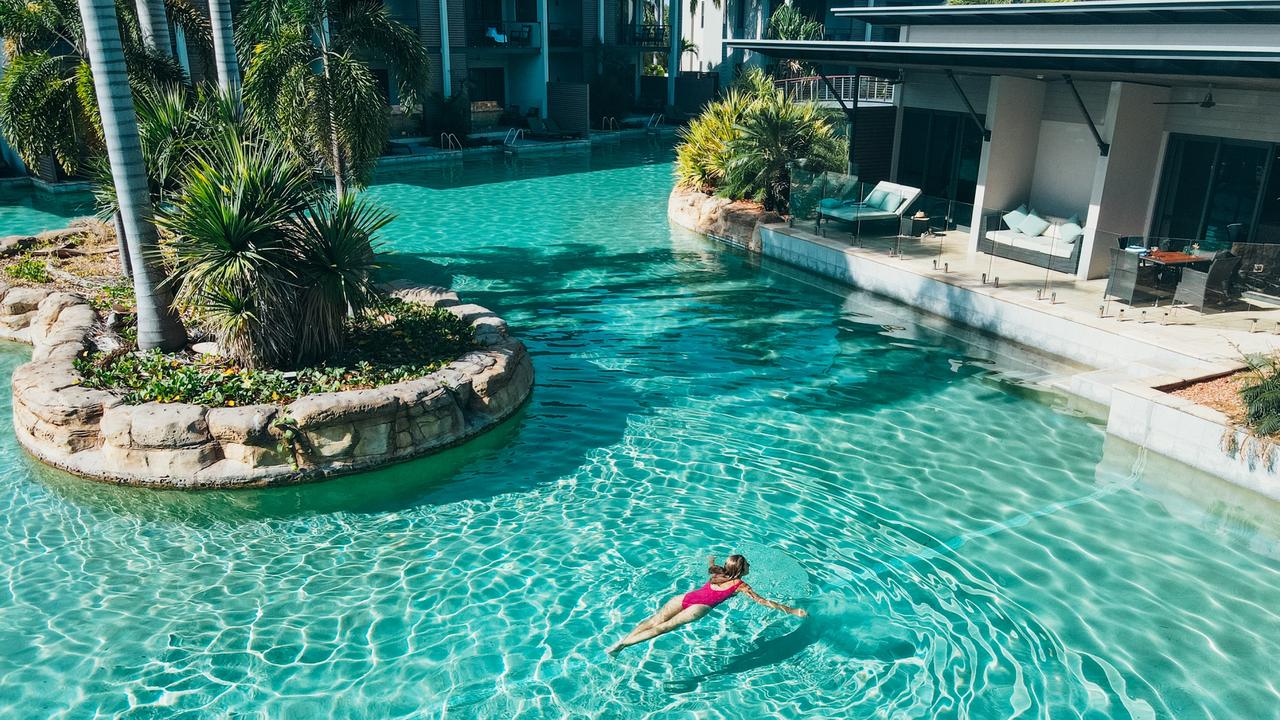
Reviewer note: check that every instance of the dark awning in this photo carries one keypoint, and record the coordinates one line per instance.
(1227, 66)
(1083, 12)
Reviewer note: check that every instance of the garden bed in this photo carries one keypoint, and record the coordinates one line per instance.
(102, 428)
(1221, 394)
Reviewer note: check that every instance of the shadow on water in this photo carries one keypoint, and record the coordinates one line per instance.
(873, 645)
(501, 168)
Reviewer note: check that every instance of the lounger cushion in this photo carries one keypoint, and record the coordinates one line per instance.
(855, 213)
(1037, 243)
(890, 202)
(1033, 225)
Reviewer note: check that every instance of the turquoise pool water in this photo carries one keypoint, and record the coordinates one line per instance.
(966, 545)
(23, 212)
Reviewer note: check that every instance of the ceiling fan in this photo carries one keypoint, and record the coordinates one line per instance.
(1206, 102)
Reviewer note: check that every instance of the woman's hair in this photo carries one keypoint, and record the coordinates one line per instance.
(735, 567)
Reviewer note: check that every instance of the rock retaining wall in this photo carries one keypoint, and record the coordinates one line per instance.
(95, 434)
(734, 222)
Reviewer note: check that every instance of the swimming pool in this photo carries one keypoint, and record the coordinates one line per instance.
(24, 212)
(966, 545)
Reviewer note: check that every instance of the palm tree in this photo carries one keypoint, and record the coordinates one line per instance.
(47, 103)
(773, 133)
(155, 26)
(306, 82)
(224, 48)
(158, 324)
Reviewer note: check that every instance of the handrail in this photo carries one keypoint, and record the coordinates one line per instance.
(655, 120)
(449, 141)
(814, 89)
(513, 136)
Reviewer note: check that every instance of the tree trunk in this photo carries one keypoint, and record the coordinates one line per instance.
(339, 167)
(224, 48)
(158, 325)
(155, 26)
(122, 247)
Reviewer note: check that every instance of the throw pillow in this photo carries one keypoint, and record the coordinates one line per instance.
(876, 198)
(1014, 218)
(829, 203)
(1033, 225)
(1071, 232)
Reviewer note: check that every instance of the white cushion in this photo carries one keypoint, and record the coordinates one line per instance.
(1038, 243)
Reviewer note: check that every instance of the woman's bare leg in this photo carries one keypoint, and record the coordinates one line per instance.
(684, 617)
(666, 612)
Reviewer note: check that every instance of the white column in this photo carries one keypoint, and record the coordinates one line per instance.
(544, 56)
(673, 62)
(447, 80)
(1014, 109)
(1125, 180)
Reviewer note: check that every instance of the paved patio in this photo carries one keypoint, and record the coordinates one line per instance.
(1212, 337)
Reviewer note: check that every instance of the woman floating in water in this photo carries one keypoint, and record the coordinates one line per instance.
(684, 609)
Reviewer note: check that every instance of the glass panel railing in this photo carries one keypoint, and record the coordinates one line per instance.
(1207, 276)
(821, 196)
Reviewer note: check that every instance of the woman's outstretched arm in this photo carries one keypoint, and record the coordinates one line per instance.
(745, 588)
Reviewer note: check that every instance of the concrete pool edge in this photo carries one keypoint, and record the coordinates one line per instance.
(94, 434)
(1127, 374)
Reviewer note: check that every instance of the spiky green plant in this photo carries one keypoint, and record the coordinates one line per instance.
(741, 145)
(234, 249)
(308, 81)
(1261, 395)
(336, 265)
(273, 269)
(788, 22)
(774, 134)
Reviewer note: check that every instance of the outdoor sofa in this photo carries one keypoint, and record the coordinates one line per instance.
(886, 201)
(1027, 237)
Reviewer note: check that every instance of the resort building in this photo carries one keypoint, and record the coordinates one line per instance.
(1132, 119)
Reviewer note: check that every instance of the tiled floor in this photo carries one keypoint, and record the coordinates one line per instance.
(1213, 336)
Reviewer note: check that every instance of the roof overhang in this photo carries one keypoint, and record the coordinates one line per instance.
(1225, 66)
(1082, 12)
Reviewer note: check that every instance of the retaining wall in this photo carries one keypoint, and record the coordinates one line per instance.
(93, 433)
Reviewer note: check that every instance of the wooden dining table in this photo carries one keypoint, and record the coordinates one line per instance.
(1172, 258)
(1170, 264)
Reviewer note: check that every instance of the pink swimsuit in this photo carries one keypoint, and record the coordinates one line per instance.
(709, 596)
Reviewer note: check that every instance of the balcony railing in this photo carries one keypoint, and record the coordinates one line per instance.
(654, 36)
(564, 35)
(813, 89)
(504, 34)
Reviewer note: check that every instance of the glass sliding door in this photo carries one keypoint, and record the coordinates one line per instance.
(1212, 189)
(939, 153)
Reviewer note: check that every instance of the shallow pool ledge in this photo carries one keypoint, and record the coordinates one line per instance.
(95, 434)
(1126, 367)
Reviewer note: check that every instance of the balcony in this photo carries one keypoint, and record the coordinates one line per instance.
(564, 35)
(504, 35)
(649, 36)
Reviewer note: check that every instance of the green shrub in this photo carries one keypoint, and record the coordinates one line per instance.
(108, 296)
(740, 146)
(408, 342)
(447, 115)
(268, 266)
(30, 269)
(1261, 395)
